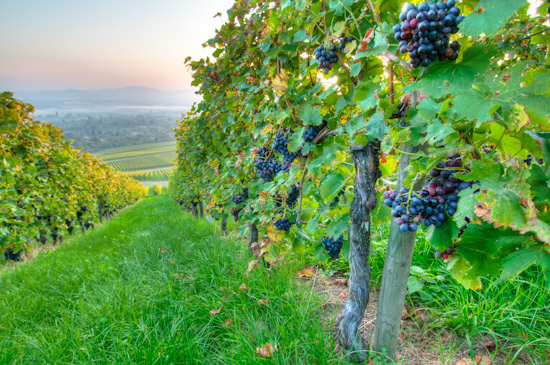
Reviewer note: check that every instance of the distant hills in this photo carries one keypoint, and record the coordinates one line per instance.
(72, 100)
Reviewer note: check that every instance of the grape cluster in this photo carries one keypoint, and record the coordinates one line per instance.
(548, 9)
(255, 111)
(268, 167)
(437, 199)
(283, 224)
(332, 246)
(235, 213)
(240, 198)
(336, 199)
(405, 216)
(445, 254)
(401, 112)
(325, 57)
(425, 32)
(529, 160)
(293, 196)
(343, 41)
(312, 131)
(280, 144)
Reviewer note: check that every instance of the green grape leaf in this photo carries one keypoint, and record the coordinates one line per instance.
(311, 114)
(331, 184)
(354, 125)
(376, 127)
(518, 261)
(364, 95)
(446, 77)
(489, 16)
(473, 105)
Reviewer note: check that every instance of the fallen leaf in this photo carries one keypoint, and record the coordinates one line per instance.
(251, 265)
(266, 350)
(244, 287)
(405, 314)
(228, 271)
(227, 296)
(222, 288)
(491, 346)
(306, 273)
(343, 281)
(482, 360)
(215, 311)
(344, 294)
(262, 302)
(370, 362)
(189, 278)
(163, 250)
(228, 321)
(172, 262)
(464, 361)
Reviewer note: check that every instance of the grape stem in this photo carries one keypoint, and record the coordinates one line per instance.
(299, 217)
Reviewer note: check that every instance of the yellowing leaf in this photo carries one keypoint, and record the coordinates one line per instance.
(306, 273)
(274, 234)
(280, 83)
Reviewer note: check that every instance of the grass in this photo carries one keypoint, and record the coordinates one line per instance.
(137, 150)
(515, 314)
(144, 162)
(139, 291)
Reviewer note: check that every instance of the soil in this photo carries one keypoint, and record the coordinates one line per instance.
(419, 342)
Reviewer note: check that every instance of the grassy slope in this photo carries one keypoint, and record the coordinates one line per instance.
(114, 296)
(137, 150)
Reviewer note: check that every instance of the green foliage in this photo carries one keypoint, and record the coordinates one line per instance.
(157, 189)
(45, 186)
(490, 105)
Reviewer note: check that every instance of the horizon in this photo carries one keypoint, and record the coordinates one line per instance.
(105, 45)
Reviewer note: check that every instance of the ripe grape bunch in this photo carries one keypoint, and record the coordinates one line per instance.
(325, 57)
(312, 131)
(401, 112)
(235, 213)
(405, 216)
(437, 199)
(280, 144)
(266, 166)
(240, 198)
(343, 41)
(336, 199)
(332, 246)
(293, 196)
(425, 32)
(283, 224)
(445, 254)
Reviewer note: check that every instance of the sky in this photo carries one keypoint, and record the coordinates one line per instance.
(103, 44)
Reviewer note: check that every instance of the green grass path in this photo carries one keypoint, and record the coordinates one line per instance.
(114, 296)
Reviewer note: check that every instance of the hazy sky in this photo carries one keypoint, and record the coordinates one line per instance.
(59, 44)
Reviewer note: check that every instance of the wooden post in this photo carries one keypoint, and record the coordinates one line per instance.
(201, 208)
(253, 235)
(367, 172)
(224, 225)
(396, 272)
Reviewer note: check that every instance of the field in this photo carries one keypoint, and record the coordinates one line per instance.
(138, 150)
(148, 162)
(151, 175)
(144, 162)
